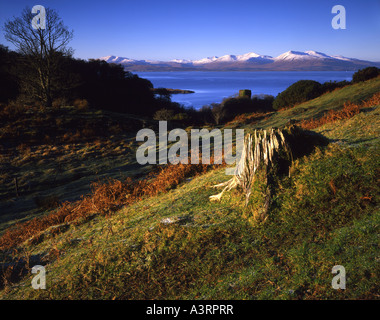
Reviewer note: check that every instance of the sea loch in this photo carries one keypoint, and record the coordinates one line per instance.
(212, 87)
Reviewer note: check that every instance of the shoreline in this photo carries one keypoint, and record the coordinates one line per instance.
(173, 91)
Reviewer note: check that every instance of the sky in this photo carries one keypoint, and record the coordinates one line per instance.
(195, 29)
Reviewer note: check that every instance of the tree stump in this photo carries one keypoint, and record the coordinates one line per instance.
(272, 150)
(260, 150)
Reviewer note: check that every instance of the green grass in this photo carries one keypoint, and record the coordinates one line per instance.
(362, 129)
(324, 214)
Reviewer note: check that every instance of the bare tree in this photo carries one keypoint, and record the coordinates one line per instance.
(164, 115)
(42, 49)
(218, 112)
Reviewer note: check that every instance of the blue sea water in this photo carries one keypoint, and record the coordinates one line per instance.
(212, 87)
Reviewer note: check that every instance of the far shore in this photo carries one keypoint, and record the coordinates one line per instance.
(173, 91)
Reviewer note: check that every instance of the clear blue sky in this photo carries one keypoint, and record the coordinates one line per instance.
(193, 29)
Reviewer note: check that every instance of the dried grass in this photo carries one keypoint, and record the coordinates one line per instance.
(348, 111)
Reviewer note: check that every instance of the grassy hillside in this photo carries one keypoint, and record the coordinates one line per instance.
(178, 245)
(56, 154)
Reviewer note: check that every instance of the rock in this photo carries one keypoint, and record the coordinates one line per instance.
(176, 219)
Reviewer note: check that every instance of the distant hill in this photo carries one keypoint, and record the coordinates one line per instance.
(288, 61)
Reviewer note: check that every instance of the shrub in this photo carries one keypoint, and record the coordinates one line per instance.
(81, 104)
(12, 111)
(263, 102)
(298, 92)
(181, 116)
(332, 85)
(218, 112)
(59, 102)
(365, 74)
(235, 106)
(163, 115)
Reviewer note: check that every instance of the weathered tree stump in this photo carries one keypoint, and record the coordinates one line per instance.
(268, 149)
(259, 150)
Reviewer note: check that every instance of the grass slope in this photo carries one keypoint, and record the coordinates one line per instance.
(56, 154)
(179, 245)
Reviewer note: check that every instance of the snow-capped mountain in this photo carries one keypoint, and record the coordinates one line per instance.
(309, 55)
(290, 60)
(297, 55)
(204, 60)
(232, 58)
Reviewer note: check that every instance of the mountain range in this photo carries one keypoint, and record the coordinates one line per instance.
(288, 61)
